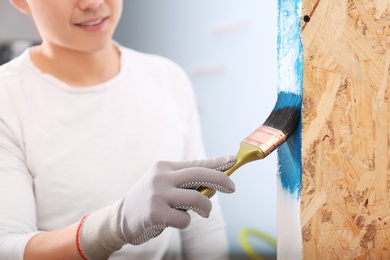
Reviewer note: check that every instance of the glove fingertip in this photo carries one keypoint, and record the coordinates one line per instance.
(182, 218)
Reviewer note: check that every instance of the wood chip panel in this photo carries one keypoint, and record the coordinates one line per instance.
(345, 195)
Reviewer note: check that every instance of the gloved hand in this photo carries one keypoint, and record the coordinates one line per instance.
(159, 199)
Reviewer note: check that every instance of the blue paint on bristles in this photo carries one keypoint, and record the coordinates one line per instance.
(290, 65)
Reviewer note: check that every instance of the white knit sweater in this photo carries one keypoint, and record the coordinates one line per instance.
(66, 151)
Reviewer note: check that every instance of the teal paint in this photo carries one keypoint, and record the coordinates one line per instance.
(288, 99)
(289, 160)
(290, 70)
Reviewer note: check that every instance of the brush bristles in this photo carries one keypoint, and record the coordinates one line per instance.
(286, 113)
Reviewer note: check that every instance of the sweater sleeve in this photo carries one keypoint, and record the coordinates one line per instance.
(17, 214)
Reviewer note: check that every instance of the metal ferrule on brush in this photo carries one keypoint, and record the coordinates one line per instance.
(266, 139)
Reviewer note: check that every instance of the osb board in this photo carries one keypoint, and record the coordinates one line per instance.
(345, 195)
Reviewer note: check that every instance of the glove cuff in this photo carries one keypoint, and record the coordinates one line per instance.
(97, 236)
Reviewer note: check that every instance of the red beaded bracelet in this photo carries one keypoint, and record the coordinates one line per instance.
(78, 238)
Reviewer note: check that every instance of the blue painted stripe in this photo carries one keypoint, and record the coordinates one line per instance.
(289, 46)
(290, 66)
(290, 166)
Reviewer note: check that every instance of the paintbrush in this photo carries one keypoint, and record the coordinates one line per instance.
(276, 129)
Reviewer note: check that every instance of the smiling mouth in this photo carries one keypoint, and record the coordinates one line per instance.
(92, 23)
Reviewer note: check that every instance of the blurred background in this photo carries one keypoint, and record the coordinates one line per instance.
(229, 50)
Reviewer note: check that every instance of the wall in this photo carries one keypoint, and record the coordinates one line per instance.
(15, 25)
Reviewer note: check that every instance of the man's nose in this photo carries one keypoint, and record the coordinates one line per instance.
(89, 4)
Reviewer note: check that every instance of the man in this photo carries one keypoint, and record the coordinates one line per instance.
(98, 146)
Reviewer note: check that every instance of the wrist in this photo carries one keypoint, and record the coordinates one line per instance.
(79, 250)
(97, 236)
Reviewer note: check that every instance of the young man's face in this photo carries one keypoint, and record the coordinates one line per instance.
(81, 25)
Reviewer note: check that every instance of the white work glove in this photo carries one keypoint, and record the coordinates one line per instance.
(159, 199)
